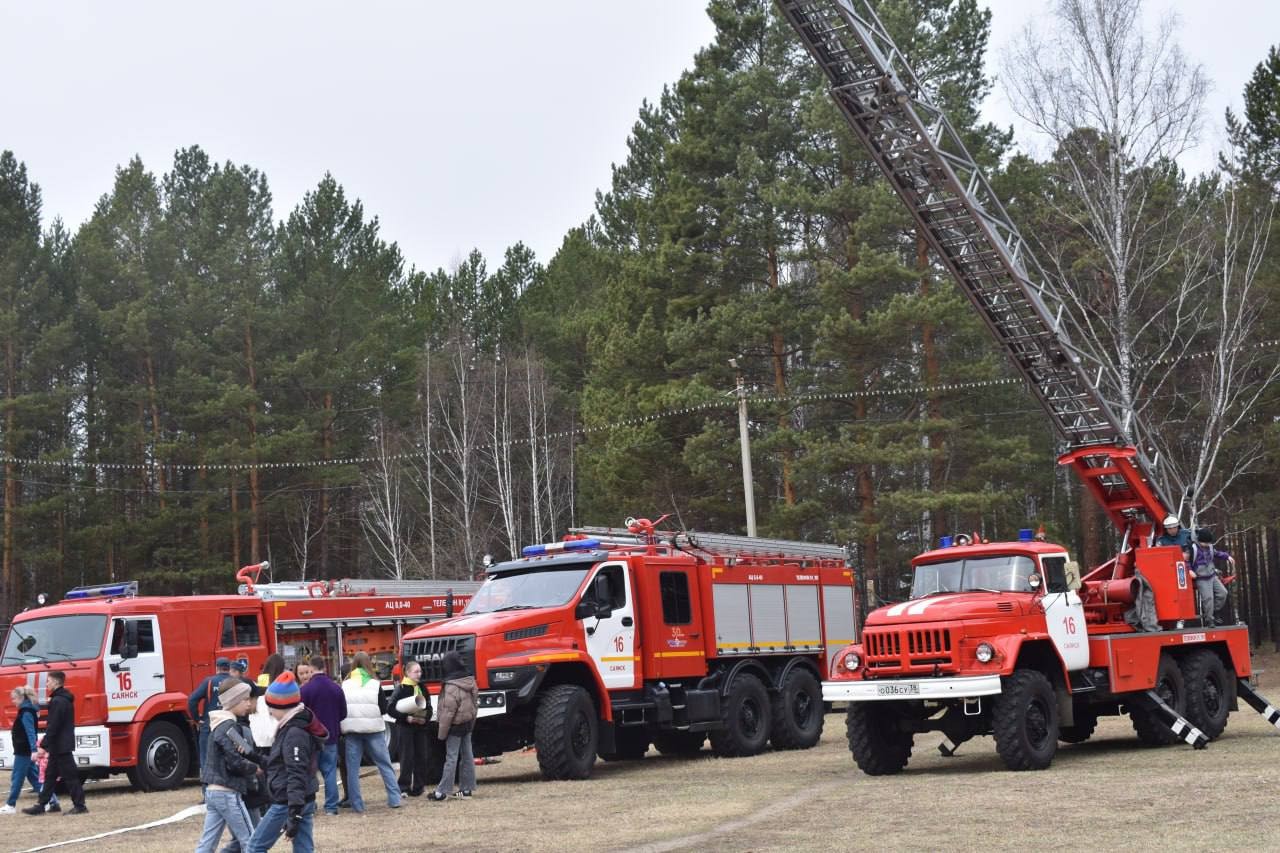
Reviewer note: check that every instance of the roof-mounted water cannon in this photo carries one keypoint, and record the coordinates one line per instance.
(248, 575)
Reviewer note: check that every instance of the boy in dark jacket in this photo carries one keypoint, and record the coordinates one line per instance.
(291, 770)
(60, 742)
(457, 713)
(228, 768)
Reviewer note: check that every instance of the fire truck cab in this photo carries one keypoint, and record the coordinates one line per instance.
(614, 640)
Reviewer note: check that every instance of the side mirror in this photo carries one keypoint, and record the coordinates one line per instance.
(1034, 581)
(130, 648)
(585, 610)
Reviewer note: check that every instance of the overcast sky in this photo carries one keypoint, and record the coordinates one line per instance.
(459, 125)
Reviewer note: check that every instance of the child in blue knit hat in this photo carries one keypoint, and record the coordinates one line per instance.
(291, 769)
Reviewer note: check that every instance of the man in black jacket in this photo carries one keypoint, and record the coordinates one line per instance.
(60, 742)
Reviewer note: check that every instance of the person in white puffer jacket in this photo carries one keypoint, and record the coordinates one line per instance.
(364, 732)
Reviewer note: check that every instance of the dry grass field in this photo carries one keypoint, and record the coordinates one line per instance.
(1109, 793)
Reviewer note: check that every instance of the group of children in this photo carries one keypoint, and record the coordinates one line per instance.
(234, 773)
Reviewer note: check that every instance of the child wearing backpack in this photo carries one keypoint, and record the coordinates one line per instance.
(291, 770)
(228, 768)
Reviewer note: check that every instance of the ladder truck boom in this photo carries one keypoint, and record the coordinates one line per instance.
(926, 162)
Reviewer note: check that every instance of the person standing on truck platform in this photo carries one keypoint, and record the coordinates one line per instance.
(411, 709)
(364, 731)
(1175, 534)
(1209, 588)
(60, 742)
(458, 699)
(291, 770)
(327, 702)
(24, 740)
(229, 769)
(205, 699)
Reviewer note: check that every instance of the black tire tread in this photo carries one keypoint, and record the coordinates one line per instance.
(144, 780)
(1007, 719)
(726, 741)
(878, 748)
(551, 734)
(1196, 667)
(786, 733)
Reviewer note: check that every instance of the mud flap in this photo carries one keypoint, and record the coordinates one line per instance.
(1268, 711)
(1177, 723)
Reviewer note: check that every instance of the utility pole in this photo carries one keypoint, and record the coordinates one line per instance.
(745, 441)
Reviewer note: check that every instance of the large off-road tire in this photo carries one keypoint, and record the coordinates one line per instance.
(164, 756)
(1081, 730)
(565, 733)
(1208, 692)
(1150, 726)
(679, 743)
(878, 746)
(747, 719)
(1024, 721)
(629, 744)
(797, 711)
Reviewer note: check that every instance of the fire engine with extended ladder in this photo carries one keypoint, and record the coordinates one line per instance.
(132, 660)
(1006, 638)
(612, 640)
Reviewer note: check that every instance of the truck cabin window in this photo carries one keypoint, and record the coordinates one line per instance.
(241, 630)
(146, 637)
(676, 607)
(552, 586)
(1000, 573)
(55, 638)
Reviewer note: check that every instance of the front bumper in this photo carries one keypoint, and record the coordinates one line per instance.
(93, 747)
(889, 689)
(491, 703)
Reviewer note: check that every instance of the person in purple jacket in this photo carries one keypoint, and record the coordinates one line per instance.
(324, 697)
(1209, 588)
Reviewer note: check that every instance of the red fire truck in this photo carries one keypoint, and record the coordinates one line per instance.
(615, 639)
(132, 660)
(1006, 638)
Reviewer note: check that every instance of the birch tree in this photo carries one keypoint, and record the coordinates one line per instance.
(385, 517)
(1119, 105)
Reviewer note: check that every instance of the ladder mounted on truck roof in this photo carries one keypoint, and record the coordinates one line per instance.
(724, 544)
(294, 590)
(928, 165)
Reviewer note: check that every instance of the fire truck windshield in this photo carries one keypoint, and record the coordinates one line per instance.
(1002, 573)
(540, 587)
(53, 638)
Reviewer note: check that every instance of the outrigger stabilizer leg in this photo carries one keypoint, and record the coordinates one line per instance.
(1178, 724)
(1268, 711)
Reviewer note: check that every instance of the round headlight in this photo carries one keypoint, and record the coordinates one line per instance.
(985, 652)
(852, 661)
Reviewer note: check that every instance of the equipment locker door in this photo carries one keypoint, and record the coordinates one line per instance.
(242, 638)
(611, 639)
(674, 637)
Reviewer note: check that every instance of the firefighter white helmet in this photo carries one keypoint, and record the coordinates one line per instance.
(1172, 521)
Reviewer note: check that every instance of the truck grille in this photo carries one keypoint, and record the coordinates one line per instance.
(430, 652)
(908, 649)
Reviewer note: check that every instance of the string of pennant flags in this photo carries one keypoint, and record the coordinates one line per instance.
(639, 420)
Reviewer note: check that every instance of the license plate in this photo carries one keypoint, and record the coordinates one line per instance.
(897, 689)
